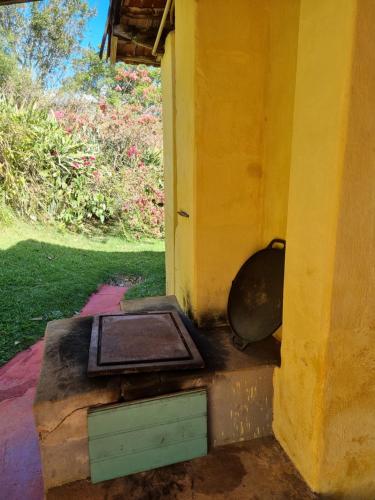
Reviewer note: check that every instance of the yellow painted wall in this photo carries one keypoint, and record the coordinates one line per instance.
(185, 152)
(169, 140)
(348, 462)
(231, 62)
(232, 156)
(323, 73)
(324, 398)
(278, 115)
(264, 89)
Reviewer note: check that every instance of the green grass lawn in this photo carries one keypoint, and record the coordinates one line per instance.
(45, 275)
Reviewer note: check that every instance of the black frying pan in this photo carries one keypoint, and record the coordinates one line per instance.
(256, 297)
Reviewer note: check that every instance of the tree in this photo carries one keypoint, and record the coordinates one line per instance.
(117, 84)
(91, 75)
(7, 68)
(15, 81)
(44, 36)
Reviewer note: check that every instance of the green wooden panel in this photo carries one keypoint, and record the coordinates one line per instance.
(145, 413)
(120, 466)
(152, 437)
(142, 435)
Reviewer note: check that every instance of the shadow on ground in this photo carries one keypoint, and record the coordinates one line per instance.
(41, 281)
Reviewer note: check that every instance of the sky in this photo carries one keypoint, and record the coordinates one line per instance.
(95, 28)
(93, 33)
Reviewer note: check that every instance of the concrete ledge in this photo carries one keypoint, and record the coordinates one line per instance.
(63, 395)
(239, 390)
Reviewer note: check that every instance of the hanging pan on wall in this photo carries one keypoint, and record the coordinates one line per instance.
(256, 297)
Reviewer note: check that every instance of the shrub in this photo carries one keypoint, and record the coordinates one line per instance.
(128, 137)
(129, 163)
(16, 81)
(6, 214)
(45, 173)
(89, 163)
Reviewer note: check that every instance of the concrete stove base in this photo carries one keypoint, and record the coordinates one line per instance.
(239, 391)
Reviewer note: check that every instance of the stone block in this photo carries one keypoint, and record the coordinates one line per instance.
(63, 395)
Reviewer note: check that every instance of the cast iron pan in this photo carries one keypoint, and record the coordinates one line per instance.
(256, 297)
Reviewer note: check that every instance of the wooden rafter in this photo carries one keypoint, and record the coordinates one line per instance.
(13, 2)
(131, 29)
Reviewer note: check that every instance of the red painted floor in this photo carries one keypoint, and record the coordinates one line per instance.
(106, 300)
(20, 468)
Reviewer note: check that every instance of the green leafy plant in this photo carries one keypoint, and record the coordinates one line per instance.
(6, 214)
(128, 134)
(87, 164)
(45, 173)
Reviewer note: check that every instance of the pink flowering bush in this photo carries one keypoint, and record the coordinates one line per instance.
(126, 132)
(137, 85)
(88, 164)
(46, 174)
(128, 166)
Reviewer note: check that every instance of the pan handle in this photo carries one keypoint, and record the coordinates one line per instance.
(240, 344)
(277, 240)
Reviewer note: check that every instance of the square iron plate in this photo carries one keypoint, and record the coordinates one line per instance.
(129, 343)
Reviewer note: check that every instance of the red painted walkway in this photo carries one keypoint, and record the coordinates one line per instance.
(20, 468)
(106, 300)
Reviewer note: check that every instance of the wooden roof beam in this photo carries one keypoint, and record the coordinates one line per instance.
(14, 2)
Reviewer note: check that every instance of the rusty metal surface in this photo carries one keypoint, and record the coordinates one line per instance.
(140, 338)
(256, 296)
(128, 343)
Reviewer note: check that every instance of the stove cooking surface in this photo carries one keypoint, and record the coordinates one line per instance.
(141, 338)
(129, 343)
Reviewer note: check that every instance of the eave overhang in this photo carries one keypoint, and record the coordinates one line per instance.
(14, 2)
(133, 27)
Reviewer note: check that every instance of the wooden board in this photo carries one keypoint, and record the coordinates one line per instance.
(146, 434)
(12, 2)
(128, 343)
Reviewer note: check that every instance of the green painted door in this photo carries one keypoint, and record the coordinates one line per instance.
(141, 435)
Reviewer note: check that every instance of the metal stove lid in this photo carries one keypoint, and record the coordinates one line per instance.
(128, 343)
